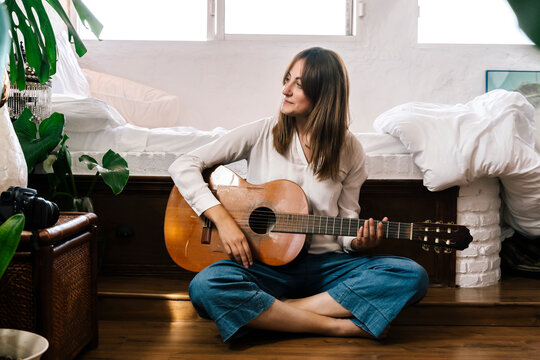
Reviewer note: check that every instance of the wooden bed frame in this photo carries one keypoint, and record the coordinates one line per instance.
(131, 240)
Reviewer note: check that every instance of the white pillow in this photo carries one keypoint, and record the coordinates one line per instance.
(69, 78)
(139, 104)
(84, 114)
(489, 136)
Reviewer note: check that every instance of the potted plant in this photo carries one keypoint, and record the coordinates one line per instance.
(32, 22)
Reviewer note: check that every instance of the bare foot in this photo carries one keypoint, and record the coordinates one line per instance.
(350, 329)
(322, 304)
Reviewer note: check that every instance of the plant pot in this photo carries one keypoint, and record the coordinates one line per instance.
(13, 169)
(19, 344)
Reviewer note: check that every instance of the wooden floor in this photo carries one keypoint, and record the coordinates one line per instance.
(152, 318)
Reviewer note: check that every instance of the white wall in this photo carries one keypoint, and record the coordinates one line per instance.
(228, 83)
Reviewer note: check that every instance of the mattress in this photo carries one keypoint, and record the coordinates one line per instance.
(380, 166)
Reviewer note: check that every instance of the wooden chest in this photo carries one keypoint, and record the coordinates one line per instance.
(50, 287)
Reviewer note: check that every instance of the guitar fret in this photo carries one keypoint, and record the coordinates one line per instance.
(318, 224)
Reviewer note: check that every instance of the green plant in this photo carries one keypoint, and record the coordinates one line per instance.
(528, 13)
(36, 149)
(62, 188)
(32, 21)
(10, 235)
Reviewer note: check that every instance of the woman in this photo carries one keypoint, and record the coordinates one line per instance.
(330, 291)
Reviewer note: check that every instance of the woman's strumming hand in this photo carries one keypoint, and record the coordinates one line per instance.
(233, 239)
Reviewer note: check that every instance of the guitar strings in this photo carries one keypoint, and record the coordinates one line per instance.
(304, 221)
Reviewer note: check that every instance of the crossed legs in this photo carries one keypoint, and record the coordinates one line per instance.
(353, 295)
(318, 314)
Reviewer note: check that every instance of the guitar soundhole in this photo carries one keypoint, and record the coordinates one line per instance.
(262, 220)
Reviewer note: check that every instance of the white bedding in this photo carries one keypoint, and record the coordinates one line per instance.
(490, 136)
(95, 127)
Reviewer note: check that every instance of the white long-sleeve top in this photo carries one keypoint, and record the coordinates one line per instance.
(254, 142)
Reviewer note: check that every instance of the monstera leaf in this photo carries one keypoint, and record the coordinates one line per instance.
(10, 235)
(528, 14)
(50, 133)
(32, 22)
(114, 169)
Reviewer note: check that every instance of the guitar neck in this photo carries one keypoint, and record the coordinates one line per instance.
(327, 225)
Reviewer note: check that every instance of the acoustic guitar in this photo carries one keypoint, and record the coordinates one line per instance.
(275, 219)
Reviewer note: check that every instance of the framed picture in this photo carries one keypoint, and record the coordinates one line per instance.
(524, 82)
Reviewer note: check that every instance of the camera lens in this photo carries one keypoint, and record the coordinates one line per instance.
(44, 214)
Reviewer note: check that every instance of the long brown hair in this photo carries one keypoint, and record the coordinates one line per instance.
(325, 82)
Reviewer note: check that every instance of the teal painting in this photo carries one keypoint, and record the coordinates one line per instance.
(524, 82)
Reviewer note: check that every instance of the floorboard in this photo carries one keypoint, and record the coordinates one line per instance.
(200, 340)
(152, 318)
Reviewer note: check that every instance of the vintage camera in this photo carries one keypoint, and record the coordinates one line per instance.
(38, 212)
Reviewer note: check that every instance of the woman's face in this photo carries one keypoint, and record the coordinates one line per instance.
(295, 102)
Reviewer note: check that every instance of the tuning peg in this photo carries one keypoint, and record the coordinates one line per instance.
(448, 251)
(437, 249)
(425, 247)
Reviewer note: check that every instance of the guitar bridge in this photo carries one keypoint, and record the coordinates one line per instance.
(206, 231)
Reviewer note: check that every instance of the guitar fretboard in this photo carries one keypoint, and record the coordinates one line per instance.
(327, 225)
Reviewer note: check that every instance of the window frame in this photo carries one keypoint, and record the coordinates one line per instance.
(215, 26)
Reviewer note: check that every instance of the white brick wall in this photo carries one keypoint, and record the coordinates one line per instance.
(478, 209)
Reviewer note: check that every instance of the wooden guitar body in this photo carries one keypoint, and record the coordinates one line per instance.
(193, 242)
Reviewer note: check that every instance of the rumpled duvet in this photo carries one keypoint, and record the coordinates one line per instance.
(490, 136)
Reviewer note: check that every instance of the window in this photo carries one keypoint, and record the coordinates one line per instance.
(468, 22)
(200, 20)
(288, 17)
(149, 20)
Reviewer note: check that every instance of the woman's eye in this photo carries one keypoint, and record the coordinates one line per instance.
(299, 85)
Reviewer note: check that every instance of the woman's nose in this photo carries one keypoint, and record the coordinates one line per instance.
(286, 89)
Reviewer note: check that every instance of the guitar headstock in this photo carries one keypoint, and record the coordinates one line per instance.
(449, 236)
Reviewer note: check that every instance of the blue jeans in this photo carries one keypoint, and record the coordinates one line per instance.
(373, 288)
